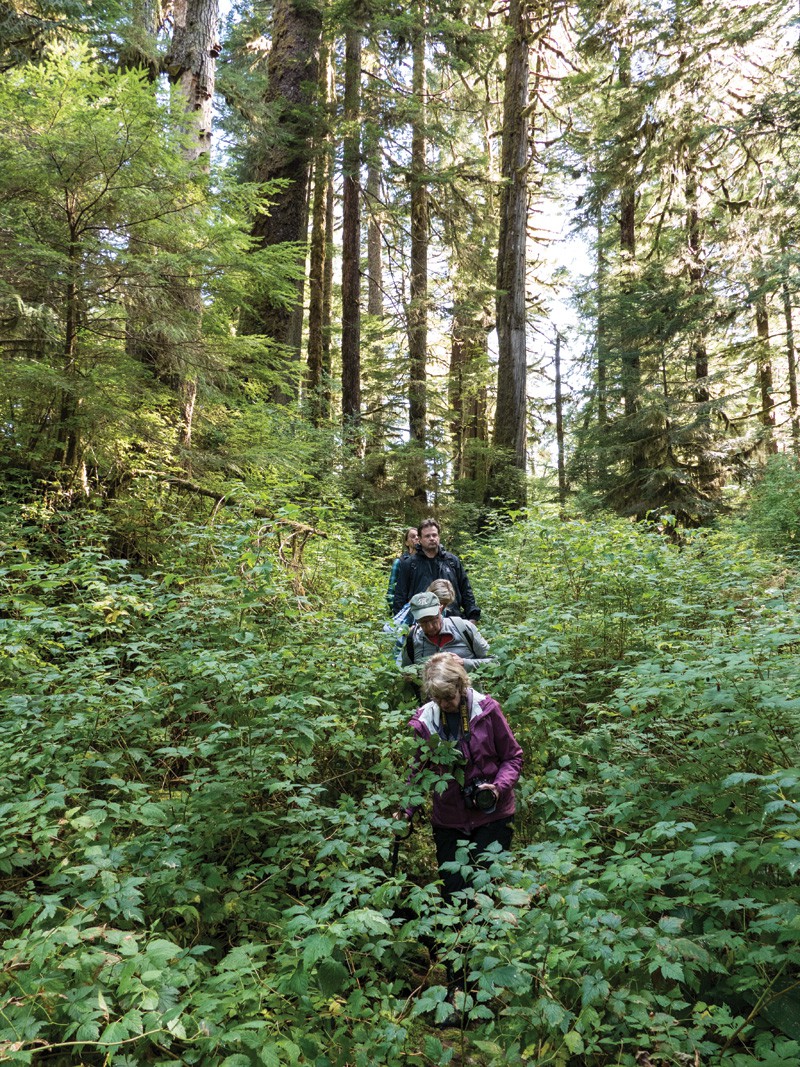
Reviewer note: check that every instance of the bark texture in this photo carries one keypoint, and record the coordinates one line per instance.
(173, 354)
(351, 237)
(285, 152)
(418, 284)
(764, 372)
(469, 358)
(510, 418)
(316, 405)
(631, 362)
(191, 64)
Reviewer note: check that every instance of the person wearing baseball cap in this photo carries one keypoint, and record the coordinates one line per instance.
(432, 632)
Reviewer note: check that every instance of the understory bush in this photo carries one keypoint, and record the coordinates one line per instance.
(202, 757)
(773, 516)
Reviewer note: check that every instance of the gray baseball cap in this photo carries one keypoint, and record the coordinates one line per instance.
(424, 605)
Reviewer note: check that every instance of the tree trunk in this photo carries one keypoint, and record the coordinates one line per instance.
(191, 63)
(698, 344)
(351, 239)
(631, 364)
(457, 386)
(469, 359)
(476, 467)
(374, 244)
(562, 477)
(372, 152)
(139, 51)
(418, 285)
(510, 418)
(764, 372)
(319, 254)
(375, 431)
(602, 348)
(707, 472)
(791, 365)
(327, 299)
(69, 451)
(284, 153)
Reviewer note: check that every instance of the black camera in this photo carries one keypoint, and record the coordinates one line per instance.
(479, 796)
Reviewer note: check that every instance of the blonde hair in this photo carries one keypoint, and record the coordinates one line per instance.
(443, 676)
(444, 590)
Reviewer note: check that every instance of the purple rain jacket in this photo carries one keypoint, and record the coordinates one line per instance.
(492, 753)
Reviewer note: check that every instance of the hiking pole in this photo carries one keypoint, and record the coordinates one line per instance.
(398, 837)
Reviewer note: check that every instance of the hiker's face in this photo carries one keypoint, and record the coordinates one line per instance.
(431, 624)
(412, 539)
(429, 539)
(452, 702)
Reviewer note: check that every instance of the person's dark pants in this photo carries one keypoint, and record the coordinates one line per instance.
(448, 843)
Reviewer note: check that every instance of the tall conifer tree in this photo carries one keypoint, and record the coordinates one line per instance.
(282, 151)
(510, 419)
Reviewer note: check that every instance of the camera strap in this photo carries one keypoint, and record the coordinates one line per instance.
(464, 718)
(443, 729)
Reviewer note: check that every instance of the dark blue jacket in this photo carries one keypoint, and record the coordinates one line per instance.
(416, 573)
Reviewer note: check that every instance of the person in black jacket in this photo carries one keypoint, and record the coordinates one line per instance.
(429, 562)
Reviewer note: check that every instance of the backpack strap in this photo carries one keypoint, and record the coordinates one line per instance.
(410, 642)
(464, 628)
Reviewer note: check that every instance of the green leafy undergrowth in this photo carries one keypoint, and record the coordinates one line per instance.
(202, 759)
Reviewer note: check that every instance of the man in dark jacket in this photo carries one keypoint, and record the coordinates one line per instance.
(429, 562)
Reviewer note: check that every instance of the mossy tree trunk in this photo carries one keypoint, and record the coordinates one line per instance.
(351, 240)
(507, 480)
(418, 283)
(284, 152)
(317, 388)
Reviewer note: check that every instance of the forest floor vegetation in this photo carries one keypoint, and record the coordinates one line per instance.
(202, 753)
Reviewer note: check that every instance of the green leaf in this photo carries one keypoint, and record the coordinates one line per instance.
(160, 952)
(332, 976)
(316, 947)
(310, 1047)
(436, 1052)
(673, 971)
(670, 924)
(574, 1042)
(114, 1033)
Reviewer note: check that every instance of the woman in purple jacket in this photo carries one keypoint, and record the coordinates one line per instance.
(480, 809)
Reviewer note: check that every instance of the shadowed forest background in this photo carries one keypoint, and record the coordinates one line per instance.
(277, 280)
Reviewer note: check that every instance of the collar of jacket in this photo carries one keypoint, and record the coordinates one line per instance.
(439, 552)
(431, 714)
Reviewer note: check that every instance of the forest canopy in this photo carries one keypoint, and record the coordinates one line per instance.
(480, 251)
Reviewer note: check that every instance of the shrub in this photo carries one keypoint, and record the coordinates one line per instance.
(774, 515)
